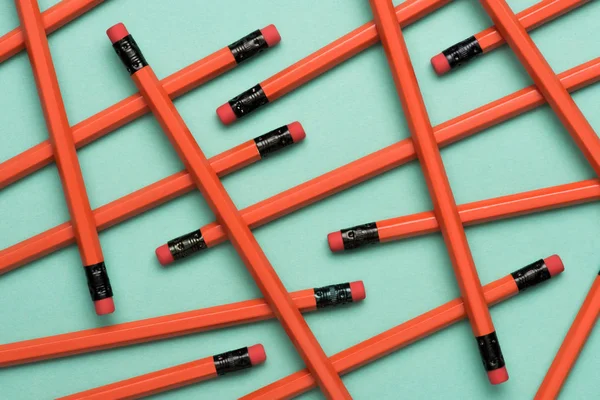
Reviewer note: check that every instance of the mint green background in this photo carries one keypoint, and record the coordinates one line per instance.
(348, 113)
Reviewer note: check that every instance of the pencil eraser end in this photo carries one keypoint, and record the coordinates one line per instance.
(498, 376)
(257, 354)
(357, 289)
(117, 32)
(271, 35)
(226, 114)
(336, 243)
(296, 131)
(554, 264)
(440, 64)
(164, 255)
(104, 306)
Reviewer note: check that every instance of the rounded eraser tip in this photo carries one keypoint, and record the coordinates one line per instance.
(336, 243)
(164, 255)
(226, 114)
(357, 289)
(554, 264)
(257, 354)
(117, 32)
(104, 306)
(297, 131)
(271, 35)
(498, 376)
(440, 64)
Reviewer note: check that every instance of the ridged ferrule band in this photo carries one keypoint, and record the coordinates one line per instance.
(333, 295)
(489, 348)
(130, 54)
(248, 46)
(360, 235)
(273, 141)
(462, 52)
(186, 245)
(232, 361)
(531, 275)
(248, 101)
(98, 282)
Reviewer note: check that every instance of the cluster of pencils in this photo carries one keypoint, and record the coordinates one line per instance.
(204, 174)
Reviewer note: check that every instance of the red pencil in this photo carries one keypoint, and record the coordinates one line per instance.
(490, 39)
(548, 83)
(221, 204)
(477, 212)
(439, 189)
(173, 325)
(66, 156)
(572, 345)
(418, 328)
(177, 376)
(393, 156)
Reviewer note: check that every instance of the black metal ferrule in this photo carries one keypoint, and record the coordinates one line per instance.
(333, 295)
(130, 54)
(248, 46)
(489, 348)
(248, 101)
(531, 275)
(462, 52)
(360, 235)
(273, 141)
(187, 244)
(231, 361)
(98, 282)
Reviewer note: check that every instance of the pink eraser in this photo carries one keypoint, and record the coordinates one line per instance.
(358, 291)
(257, 354)
(271, 35)
(554, 264)
(164, 255)
(498, 376)
(440, 64)
(104, 306)
(117, 32)
(226, 114)
(297, 131)
(336, 243)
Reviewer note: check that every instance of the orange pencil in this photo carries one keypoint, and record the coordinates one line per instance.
(53, 18)
(78, 203)
(478, 212)
(147, 197)
(548, 83)
(178, 376)
(439, 189)
(301, 195)
(390, 157)
(489, 39)
(173, 325)
(396, 338)
(134, 106)
(319, 62)
(572, 345)
(221, 204)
